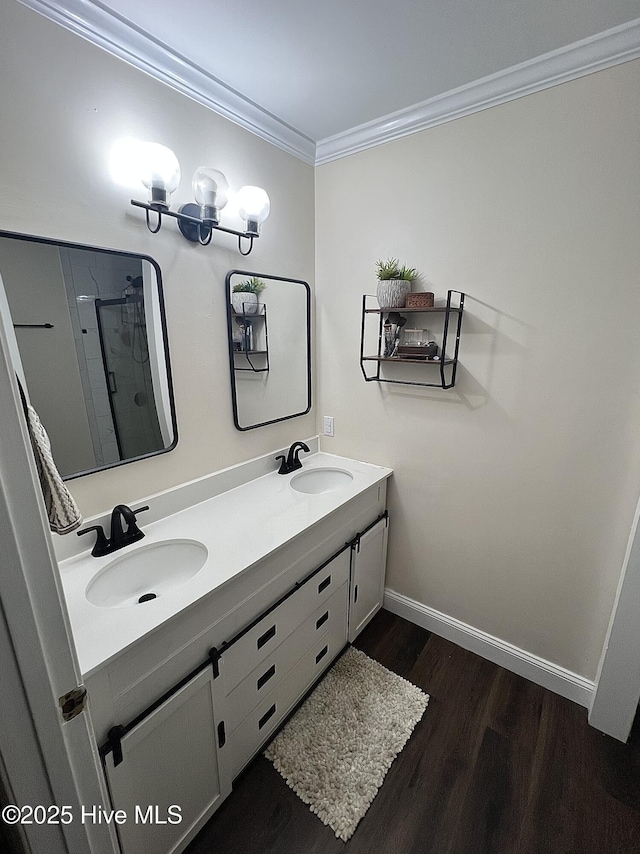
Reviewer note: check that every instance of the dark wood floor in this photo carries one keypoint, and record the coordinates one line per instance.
(497, 765)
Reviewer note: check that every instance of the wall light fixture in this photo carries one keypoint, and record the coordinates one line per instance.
(160, 173)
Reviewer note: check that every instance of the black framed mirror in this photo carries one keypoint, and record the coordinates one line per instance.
(88, 335)
(269, 329)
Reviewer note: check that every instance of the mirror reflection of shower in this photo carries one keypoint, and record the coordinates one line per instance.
(122, 329)
(95, 362)
(133, 321)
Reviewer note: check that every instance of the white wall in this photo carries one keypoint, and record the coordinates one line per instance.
(68, 102)
(514, 492)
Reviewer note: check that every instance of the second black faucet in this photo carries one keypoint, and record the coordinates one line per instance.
(292, 461)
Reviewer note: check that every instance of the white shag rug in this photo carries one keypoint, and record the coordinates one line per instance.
(337, 748)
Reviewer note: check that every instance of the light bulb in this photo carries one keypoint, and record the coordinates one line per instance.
(125, 162)
(210, 189)
(253, 207)
(160, 173)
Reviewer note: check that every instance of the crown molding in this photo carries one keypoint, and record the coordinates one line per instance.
(123, 39)
(596, 53)
(102, 27)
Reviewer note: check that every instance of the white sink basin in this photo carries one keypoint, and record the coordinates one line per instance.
(315, 481)
(149, 571)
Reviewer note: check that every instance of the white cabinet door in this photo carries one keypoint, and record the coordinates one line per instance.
(368, 562)
(169, 771)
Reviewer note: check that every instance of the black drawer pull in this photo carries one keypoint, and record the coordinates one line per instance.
(323, 619)
(355, 594)
(324, 584)
(268, 714)
(270, 633)
(222, 736)
(266, 676)
(322, 654)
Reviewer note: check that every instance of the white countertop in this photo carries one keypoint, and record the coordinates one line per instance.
(239, 528)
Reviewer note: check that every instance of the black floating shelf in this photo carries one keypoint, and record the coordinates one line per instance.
(448, 363)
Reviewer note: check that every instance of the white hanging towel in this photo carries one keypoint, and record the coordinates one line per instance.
(63, 512)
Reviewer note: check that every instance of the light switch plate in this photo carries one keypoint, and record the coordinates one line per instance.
(327, 427)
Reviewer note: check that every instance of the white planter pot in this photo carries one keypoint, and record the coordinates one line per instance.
(392, 293)
(244, 302)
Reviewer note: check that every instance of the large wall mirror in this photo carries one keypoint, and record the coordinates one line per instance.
(269, 326)
(92, 352)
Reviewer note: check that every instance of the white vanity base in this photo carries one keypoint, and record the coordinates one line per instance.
(194, 698)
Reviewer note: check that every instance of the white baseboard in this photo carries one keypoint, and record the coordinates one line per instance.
(552, 676)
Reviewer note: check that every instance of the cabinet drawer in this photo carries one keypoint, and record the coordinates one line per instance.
(259, 643)
(263, 679)
(260, 724)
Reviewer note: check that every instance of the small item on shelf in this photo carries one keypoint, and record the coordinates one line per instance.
(421, 299)
(237, 336)
(244, 296)
(394, 282)
(423, 350)
(248, 337)
(242, 338)
(389, 339)
(415, 337)
(391, 334)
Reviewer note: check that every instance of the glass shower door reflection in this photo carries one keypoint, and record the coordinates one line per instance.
(125, 353)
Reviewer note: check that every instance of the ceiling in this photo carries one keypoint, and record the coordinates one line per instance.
(325, 80)
(324, 68)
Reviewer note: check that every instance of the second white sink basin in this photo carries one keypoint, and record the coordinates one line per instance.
(315, 481)
(146, 574)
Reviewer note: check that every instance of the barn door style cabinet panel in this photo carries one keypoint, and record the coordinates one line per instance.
(164, 772)
(368, 562)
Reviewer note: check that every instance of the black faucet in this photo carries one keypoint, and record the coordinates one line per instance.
(291, 463)
(119, 538)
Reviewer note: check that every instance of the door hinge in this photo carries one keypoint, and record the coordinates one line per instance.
(73, 703)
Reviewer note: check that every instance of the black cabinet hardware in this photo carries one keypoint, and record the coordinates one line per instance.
(266, 637)
(324, 584)
(266, 676)
(322, 654)
(322, 620)
(268, 714)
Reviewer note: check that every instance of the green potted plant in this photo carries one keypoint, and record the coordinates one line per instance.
(394, 282)
(244, 296)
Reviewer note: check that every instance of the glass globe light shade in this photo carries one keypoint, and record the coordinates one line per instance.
(211, 191)
(160, 172)
(210, 187)
(253, 207)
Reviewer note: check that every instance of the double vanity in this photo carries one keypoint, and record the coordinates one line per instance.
(197, 642)
(201, 615)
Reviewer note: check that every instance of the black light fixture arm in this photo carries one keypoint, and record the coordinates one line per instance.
(159, 222)
(250, 238)
(192, 227)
